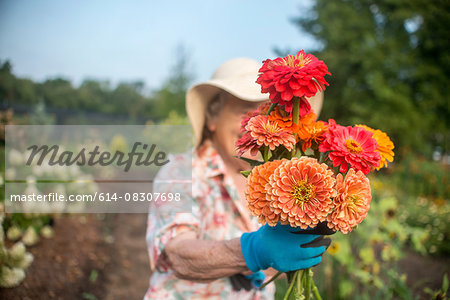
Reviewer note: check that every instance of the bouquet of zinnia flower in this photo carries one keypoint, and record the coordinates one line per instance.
(313, 172)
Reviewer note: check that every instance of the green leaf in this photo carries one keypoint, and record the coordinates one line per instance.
(89, 296)
(445, 284)
(246, 173)
(252, 162)
(93, 276)
(367, 255)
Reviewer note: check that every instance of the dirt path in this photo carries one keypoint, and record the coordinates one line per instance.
(128, 276)
(423, 272)
(92, 257)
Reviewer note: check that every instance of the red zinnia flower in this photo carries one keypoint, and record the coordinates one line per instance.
(300, 75)
(351, 146)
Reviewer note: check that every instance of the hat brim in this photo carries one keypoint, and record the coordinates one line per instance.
(198, 97)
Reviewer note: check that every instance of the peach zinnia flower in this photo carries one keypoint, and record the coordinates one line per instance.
(300, 191)
(351, 147)
(385, 146)
(352, 202)
(301, 75)
(256, 192)
(269, 133)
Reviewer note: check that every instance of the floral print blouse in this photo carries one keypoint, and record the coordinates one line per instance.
(217, 214)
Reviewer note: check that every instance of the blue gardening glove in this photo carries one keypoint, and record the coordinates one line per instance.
(247, 282)
(257, 279)
(283, 248)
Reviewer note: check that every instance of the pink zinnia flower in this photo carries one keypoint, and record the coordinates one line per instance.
(300, 75)
(269, 133)
(300, 191)
(247, 143)
(351, 146)
(251, 114)
(352, 202)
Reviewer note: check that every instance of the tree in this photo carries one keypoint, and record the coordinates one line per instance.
(15, 89)
(171, 96)
(390, 66)
(128, 97)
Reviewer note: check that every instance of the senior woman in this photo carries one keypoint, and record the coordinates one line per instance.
(219, 251)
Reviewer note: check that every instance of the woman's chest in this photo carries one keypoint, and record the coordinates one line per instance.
(223, 214)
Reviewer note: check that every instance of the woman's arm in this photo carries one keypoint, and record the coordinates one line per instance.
(205, 260)
(282, 247)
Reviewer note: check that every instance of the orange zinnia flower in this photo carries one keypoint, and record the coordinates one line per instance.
(256, 192)
(269, 133)
(313, 132)
(307, 119)
(385, 146)
(300, 191)
(352, 202)
(284, 119)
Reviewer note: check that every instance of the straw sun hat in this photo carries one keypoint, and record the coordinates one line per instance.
(237, 77)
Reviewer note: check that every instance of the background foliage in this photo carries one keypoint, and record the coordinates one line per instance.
(390, 69)
(390, 66)
(96, 101)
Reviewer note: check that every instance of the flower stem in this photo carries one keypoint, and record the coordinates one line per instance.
(315, 291)
(295, 109)
(271, 108)
(270, 280)
(291, 285)
(295, 112)
(299, 283)
(321, 157)
(308, 284)
(266, 153)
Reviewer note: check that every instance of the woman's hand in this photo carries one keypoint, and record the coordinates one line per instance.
(283, 248)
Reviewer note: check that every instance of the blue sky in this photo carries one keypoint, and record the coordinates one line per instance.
(136, 40)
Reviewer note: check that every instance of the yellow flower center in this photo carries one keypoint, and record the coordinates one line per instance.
(302, 192)
(315, 130)
(352, 202)
(353, 146)
(296, 61)
(271, 127)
